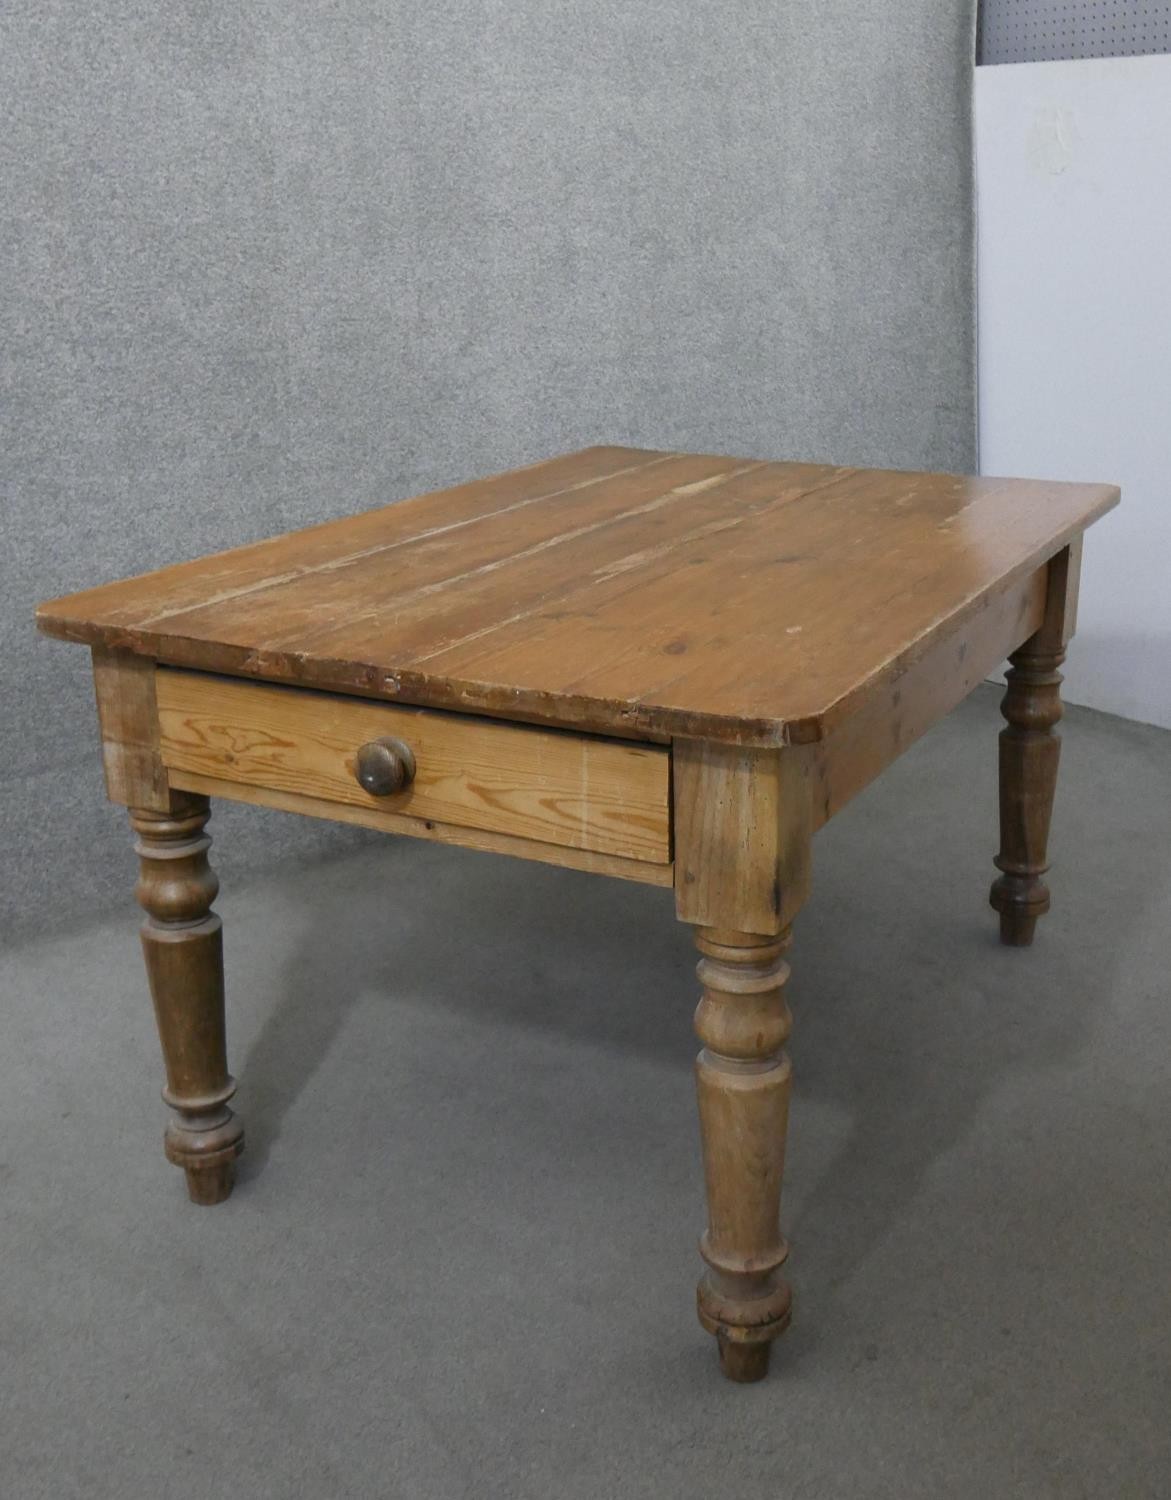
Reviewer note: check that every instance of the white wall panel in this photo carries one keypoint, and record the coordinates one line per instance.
(1073, 168)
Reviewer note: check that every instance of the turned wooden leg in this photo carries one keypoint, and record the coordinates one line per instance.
(181, 941)
(742, 821)
(742, 1078)
(1029, 753)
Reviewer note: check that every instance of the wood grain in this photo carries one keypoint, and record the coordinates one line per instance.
(124, 687)
(605, 796)
(621, 592)
(742, 835)
(891, 721)
(420, 828)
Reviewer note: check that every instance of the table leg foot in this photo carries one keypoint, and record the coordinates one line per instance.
(207, 1156)
(743, 1363)
(743, 1085)
(208, 1185)
(1017, 928)
(183, 949)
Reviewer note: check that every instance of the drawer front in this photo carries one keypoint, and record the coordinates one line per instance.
(576, 791)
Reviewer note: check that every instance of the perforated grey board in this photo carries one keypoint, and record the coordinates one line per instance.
(1012, 31)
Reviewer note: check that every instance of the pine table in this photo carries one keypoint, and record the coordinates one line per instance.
(661, 667)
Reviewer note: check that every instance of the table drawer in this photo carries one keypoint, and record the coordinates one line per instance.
(550, 786)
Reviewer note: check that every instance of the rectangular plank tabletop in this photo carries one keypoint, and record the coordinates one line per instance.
(615, 589)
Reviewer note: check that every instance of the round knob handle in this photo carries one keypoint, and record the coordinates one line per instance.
(385, 766)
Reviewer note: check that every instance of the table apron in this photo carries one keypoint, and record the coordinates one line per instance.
(546, 793)
(903, 707)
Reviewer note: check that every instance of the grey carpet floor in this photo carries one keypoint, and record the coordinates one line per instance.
(460, 1258)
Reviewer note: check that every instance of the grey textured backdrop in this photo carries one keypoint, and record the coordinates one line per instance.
(274, 261)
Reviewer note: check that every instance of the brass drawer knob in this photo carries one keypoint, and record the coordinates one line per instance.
(385, 766)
